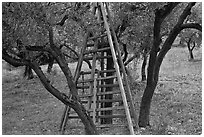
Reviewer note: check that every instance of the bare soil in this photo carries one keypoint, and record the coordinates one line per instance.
(28, 109)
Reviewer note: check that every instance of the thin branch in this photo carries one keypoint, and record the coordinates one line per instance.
(13, 61)
(192, 26)
(61, 23)
(194, 44)
(130, 59)
(75, 58)
(172, 36)
(36, 48)
(71, 50)
(58, 55)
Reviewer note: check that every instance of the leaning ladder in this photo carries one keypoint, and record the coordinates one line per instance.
(94, 98)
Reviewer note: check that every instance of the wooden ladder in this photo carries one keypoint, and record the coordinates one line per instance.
(102, 91)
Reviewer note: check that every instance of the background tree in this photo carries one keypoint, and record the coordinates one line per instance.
(192, 39)
(156, 57)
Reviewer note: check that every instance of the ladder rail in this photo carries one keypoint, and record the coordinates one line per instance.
(76, 76)
(123, 70)
(93, 102)
(79, 64)
(130, 124)
(91, 86)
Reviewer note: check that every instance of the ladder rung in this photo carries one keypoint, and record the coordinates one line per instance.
(101, 71)
(85, 72)
(86, 95)
(84, 101)
(73, 116)
(108, 77)
(109, 100)
(85, 81)
(99, 23)
(107, 71)
(108, 85)
(109, 92)
(110, 108)
(89, 45)
(112, 116)
(82, 87)
(110, 125)
(96, 37)
(103, 49)
(98, 57)
(101, 116)
(98, 50)
(103, 57)
(88, 58)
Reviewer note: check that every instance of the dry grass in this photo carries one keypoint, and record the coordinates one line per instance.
(28, 109)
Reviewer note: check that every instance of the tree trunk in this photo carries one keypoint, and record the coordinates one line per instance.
(28, 72)
(156, 59)
(191, 54)
(190, 50)
(144, 63)
(73, 102)
(145, 105)
(50, 65)
(90, 128)
(160, 15)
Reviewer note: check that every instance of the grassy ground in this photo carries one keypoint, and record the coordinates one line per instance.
(27, 108)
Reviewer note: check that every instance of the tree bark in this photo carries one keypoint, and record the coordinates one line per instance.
(50, 64)
(90, 128)
(145, 105)
(191, 54)
(190, 50)
(156, 59)
(160, 15)
(144, 63)
(12, 61)
(28, 72)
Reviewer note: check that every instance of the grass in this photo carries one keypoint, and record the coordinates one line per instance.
(28, 109)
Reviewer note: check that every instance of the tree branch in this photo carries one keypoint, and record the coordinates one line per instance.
(71, 50)
(37, 48)
(194, 44)
(59, 57)
(166, 10)
(160, 15)
(13, 61)
(172, 36)
(46, 83)
(192, 26)
(130, 59)
(61, 23)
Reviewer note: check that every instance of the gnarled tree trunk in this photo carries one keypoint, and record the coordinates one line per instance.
(157, 58)
(90, 127)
